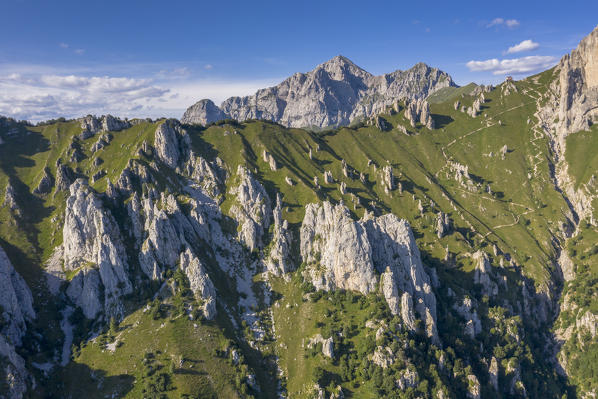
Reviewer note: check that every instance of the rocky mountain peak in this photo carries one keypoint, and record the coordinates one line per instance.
(340, 67)
(586, 54)
(334, 93)
(203, 112)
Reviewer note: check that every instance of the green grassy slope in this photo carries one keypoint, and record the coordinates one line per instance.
(507, 200)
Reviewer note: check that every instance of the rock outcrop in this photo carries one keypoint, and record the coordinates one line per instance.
(408, 378)
(103, 141)
(251, 209)
(577, 86)
(106, 123)
(419, 111)
(393, 245)
(279, 259)
(347, 254)
(383, 357)
(482, 274)
(327, 345)
(16, 302)
(330, 238)
(443, 224)
(16, 307)
(493, 371)
(388, 180)
(335, 93)
(466, 309)
(10, 198)
(200, 282)
(203, 112)
(92, 248)
(573, 96)
(171, 142)
(162, 244)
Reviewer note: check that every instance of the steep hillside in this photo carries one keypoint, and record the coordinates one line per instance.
(441, 248)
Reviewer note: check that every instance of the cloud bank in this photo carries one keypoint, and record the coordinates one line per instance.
(39, 94)
(512, 66)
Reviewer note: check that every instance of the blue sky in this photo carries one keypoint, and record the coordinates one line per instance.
(154, 58)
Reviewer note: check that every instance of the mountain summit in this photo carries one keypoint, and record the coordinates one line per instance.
(335, 93)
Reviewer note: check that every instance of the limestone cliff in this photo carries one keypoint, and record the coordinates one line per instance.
(335, 93)
(16, 305)
(347, 254)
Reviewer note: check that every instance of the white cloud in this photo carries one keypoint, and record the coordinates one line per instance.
(512, 23)
(509, 23)
(38, 93)
(79, 51)
(208, 66)
(63, 45)
(45, 96)
(513, 66)
(526, 45)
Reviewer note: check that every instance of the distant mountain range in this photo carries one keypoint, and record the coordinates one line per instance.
(335, 93)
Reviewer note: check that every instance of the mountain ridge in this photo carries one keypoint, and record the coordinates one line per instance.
(442, 249)
(335, 93)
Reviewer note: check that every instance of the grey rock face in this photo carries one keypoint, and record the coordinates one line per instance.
(473, 325)
(383, 357)
(279, 259)
(391, 291)
(381, 123)
(252, 209)
(443, 224)
(203, 112)
(340, 245)
(347, 254)
(334, 94)
(393, 244)
(208, 176)
(327, 345)
(493, 373)
(578, 85)
(407, 314)
(10, 199)
(482, 273)
(388, 179)
(200, 282)
(16, 373)
(171, 143)
(16, 304)
(112, 124)
(16, 301)
(90, 126)
(102, 142)
(419, 111)
(161, 248)
(107, 123)
(407, 379)
(93, 247)
(269, 159)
